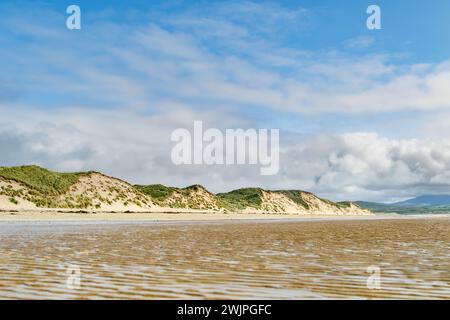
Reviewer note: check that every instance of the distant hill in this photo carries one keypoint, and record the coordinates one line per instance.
(426, 200)
(419, 205)
(376, 207)
(33, 187)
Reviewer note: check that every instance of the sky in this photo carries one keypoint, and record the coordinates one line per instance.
(363, 114)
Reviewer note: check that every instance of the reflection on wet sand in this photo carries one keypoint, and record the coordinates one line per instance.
(284, 260)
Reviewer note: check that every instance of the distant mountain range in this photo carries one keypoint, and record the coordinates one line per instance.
(427, 200)
(417, 205)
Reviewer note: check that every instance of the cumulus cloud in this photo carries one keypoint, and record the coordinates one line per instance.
(46, 144)
(368, 166)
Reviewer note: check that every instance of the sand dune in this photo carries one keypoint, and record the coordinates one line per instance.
(32, 188)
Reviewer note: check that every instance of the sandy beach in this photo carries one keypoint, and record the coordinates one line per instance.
(147, 216)
(61, 215)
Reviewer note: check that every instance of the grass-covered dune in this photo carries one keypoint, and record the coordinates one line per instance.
(92, 190)
(40, 179)
(79, 190)
(192, 197)
(158, 192)
(241, 199)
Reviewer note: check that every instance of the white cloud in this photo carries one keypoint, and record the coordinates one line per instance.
(362, 42)
(145, 66)
(407, 90)
(368, 166)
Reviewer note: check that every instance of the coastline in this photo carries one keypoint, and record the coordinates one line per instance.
(130, 217)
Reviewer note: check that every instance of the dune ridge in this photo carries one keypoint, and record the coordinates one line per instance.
(35, 188)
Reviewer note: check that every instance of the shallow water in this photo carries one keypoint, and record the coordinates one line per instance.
(242, 260)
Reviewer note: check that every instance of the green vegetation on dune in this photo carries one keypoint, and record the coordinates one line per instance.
(158, 192)
(188, 190)
(242, 198)
(194, 187)
(296, 196)
(40, 179)
(187, 198)
(345, 204)
(41, 186)
(234, 200)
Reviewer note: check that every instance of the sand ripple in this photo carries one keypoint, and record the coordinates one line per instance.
(284, 260)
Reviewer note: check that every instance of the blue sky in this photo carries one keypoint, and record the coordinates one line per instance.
(363, 113)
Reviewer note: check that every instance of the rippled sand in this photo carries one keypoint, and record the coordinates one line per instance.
(285, 260)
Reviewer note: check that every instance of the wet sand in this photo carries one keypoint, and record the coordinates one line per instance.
(55, 215)
(280, 259)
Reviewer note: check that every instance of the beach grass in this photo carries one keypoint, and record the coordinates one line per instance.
(242, 198)
(40, 179)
